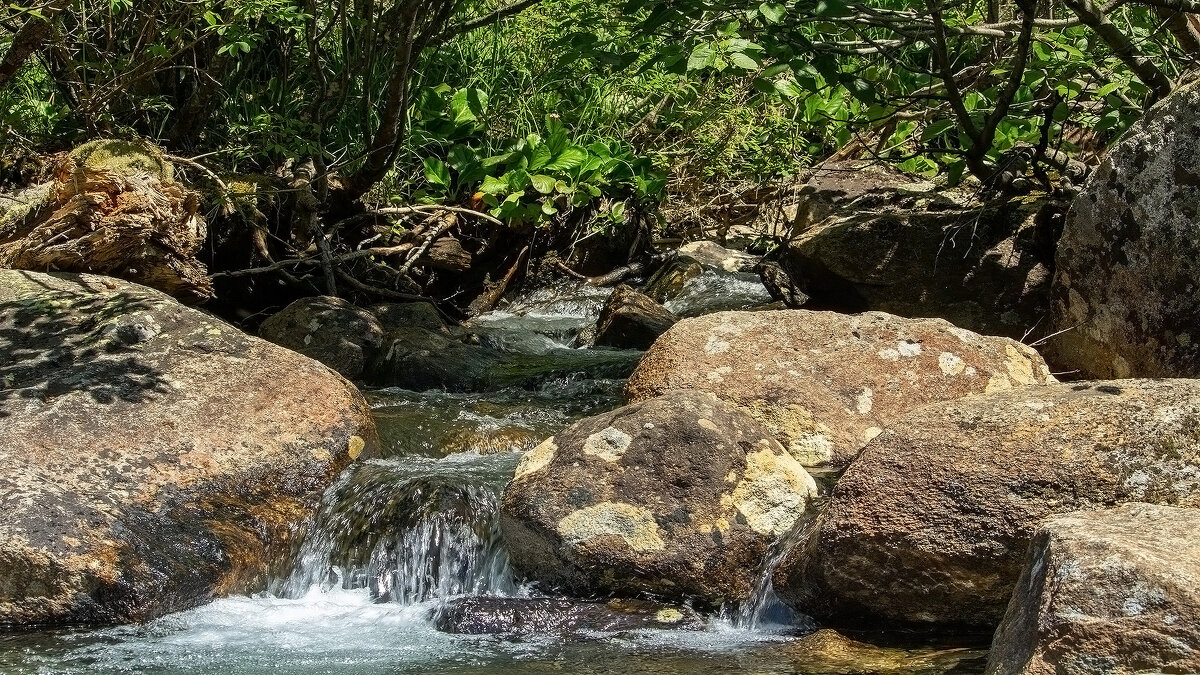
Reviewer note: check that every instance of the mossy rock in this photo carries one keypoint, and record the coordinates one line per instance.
(124, 157)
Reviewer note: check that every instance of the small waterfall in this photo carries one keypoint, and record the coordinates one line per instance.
(764, 607)
(410, 530)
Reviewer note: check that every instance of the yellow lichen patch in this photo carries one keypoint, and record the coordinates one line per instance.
(356, 446)
(608, 444)
(633, 524)
(668, 616)
(536, 459)
(1019, 366)
(774, 492)
(951, 364)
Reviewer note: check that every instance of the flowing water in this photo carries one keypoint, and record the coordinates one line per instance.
(399, 536)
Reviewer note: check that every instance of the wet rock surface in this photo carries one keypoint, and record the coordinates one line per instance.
(1126, 291)
(827, 652)
(631, 320)
(544, 617)
(679, 496)
(155, 456)
(825, 384)
(930, 524)
(328, 329)
(1111, 591)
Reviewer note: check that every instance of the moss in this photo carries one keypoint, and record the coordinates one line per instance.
(124, 157)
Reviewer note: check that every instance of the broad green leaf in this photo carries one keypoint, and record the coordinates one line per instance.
(542, 183)
(569, 158)
(703, 56)
(436, 173)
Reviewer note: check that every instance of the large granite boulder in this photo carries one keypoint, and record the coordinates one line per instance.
(870, 238)
(155, 457)
(1105, 593)
(679, 496)
(1126, 290)
(328, 329)
(931, 522)
(824, 384)
(631, 320)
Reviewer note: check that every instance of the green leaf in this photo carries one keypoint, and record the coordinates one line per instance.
(569, 158)
(773, 12)
(542, 183)
(703, 56)
(494, 186)
(540, 157)
(436, 173)
(741, 60)
(936, 129)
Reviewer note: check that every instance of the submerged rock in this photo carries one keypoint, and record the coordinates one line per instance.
(931, 522)
(542, 617)
(679, 496)
(827, 652)
(1126, 293)
(825, 384)
(1106, 592)
(631, 320)
(328, 329)
(155, 457)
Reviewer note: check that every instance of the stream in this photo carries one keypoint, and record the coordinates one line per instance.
(399, 536)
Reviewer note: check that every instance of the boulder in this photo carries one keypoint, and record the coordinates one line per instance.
(113, 207)
(631, 320)
(680, 497)
(824, 384)
(155, 457)
(713, 255)
(669, 280)
(886, 242)
(1126, 291)
(931, 522)
(542, 617)
(421, 359)
(1106, 592)
(328, 329)
(396, 315)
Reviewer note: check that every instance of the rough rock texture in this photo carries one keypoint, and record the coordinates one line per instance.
(154, 456)
(931, 523)
(1106, 593)
(542, 617)
(680, 496)
(631, 320)
(328, 329)
(114, 207)
(824, 383)
(396, 315)
(879, 240)
(1126, 289)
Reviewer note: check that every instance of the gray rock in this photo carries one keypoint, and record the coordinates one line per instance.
(397, 315)
(631, 320)
(542, 617)
(328, 329)
(1126, 289)
(1111, 592)
(931, 522)
(679, 496)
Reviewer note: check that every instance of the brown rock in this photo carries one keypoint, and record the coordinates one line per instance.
(328, 329)
(155, 457)
(827, 652)
(631, 320)
(679, 496)
(1111, 592)
(931, 522)
(1126, 291)
(823, 383)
